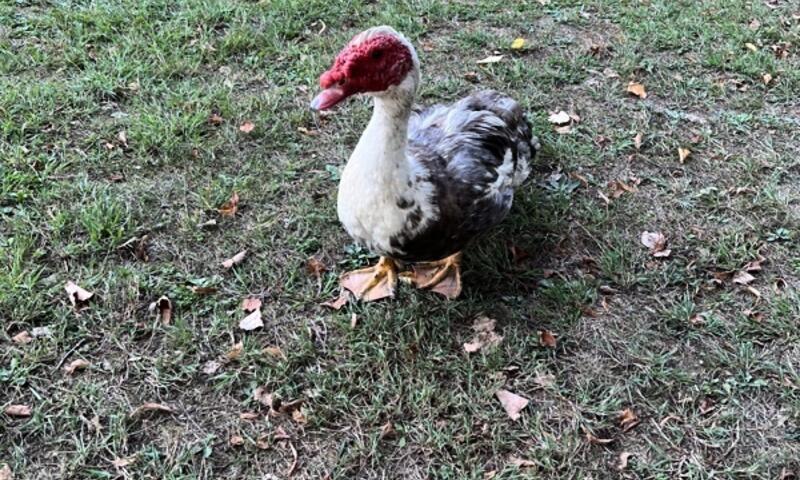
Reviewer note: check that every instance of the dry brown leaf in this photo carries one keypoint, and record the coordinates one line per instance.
(6, 473)
(247, 127)
(387, 431)
(559, 118)
(163, 307)
(683, 154)
(299, 417)
(123, 462)
(628, 419)
(75, 365)
(203, 290)
(618, 188)
(18, 411)
(521, 463)
(564, 129)
(767, 78)
(305, 131)
(743, 278)
(211, 367)
(229, 208)
(754, 292)
(77, 296)
(261, 395)
(490, 59)
(248, 416)
(215, 119)
(252, 321)
(485, 335)
(545, 380)
(280, 434)
(22, 338)
(755, 265)
(594, 440)
(340, 302)
(235, 352)
(547, 339)
(151, 407)
(236, 440)
(262, 443)
(512, 403)
(623, 460)
(274, 352)
(315, 267)
(637, 89)
(656, 242)
(235, 260)
(250, 304)
(637, 141)
(293, 466)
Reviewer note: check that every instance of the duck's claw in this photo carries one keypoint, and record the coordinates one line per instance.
(372, 283)
(442, 276)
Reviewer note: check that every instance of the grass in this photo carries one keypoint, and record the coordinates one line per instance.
(711, 371)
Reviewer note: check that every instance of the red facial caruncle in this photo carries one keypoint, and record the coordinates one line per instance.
(372, 65)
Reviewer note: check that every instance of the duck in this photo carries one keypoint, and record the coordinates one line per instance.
(420, 184)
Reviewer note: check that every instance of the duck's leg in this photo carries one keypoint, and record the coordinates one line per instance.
(372, 283)
(442, 276)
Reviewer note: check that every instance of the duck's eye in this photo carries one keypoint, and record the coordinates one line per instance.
(377, 54)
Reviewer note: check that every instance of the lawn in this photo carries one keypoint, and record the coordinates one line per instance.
(121, 138)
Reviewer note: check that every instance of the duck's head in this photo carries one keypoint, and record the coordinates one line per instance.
(376, 61)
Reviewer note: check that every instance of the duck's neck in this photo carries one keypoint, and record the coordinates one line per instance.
(381, 152)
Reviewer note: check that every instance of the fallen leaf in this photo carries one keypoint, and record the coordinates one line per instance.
(229, 208)
(623, 460)
(512, 403)
(521, 463)
(248, 416)
(163, 308)
(751, 47)
(619, 188)
(490, 59)
(546, 339)
(767, 78)
(755, 265)
(754, 25)
(293, 466)
(262, 443)
(122, 137)
(667, 419)
(211, 367)
(22, 338)
(559, 118)
(315, 267)
(252, 321)
(683, 154)
(779, 286)
(77, 296)
(215, 119)
(247, 127)
(353, 320)
(262, 396)
(564, 129)
(340, 302)
(706, 406)
(140, 251)
(75, 365)
(637, 141)
(299, 417)
(656, 242)
(280, 434)
(150, 407)
(208, 224)
(6, 473)
(387, 431)
(123, 462)
(743, 278)
(235, 352)
(235, 260)
(628, 419)
(274, 352)
(637, 89)
(203, 290)
(305, 131)
(518, 44)
(485, 335)
(753, 291)
(250, 304)
(492, 473)
(18, 411)
(236, 440)
(594, 440)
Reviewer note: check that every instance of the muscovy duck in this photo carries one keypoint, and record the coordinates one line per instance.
(420, 184)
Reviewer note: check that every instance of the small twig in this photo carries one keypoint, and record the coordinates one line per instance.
(70, 352)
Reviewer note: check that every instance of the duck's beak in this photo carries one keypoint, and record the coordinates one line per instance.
(328, 98)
